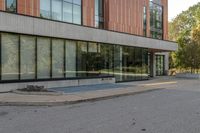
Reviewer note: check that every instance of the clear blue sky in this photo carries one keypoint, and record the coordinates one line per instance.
(177, 6)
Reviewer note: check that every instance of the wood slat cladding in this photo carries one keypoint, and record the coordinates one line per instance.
(29, 7)
(119, 15)
(125, 16)
(2, 5)
(165, 19)
(88, 12)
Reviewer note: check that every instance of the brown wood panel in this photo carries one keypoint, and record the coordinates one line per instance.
(125, 16)
(165, 19)
(2, 5)
(88, 12)
(120, 15)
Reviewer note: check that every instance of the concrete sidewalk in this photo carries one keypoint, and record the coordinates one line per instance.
(12, 99)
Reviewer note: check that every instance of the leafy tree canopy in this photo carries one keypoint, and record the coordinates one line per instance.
(185, 29)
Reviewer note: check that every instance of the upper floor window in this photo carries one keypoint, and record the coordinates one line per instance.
(99, 14)
(156, 1)
(144, 21)
(45, 9)
(156, 20)
(11, 5)
(62, 10)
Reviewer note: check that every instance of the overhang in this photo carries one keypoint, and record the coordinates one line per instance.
(41, 27)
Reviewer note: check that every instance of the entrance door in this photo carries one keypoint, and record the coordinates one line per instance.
(160, 65)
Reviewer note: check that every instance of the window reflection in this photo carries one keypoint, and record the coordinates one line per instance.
(70, 59)
(82, 59)
(27, 57)
(45, 9)
(43, 58)
(156, 20)
(11, 5)
(58, 58)
(57, 9)
(9, 57)
(62, 10)
(50, 58)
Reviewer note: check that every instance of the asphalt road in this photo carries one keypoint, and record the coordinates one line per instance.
(175, 109)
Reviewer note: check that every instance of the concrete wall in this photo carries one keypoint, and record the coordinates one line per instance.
(52, 84)
(36, 26)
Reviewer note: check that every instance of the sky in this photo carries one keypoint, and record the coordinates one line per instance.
(177, 6)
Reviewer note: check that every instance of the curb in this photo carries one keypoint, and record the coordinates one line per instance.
(75, 102)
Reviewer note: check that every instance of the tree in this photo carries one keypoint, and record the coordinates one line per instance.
(185, 29)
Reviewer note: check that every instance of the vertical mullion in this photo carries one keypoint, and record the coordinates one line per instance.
(87, 60)
(64, 59)
(77, 59)
(36, 58)
(51, 57)
(72, 12)
(62, 10)
(113, 59)
(19, 57)
(50, 9)
(0, 57)
(81, 12)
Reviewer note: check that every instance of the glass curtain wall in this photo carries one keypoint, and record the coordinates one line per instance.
(25, 57)
(45, 9)
(43, 58)
(9, 57)
(57, 58)
(130, 63)
(57, 10)
(107, 62)
(156, 20)
(99, 14)
(82, 59)
(70, 59)
(160, 65)
(145, 21)
(61, 10)
(93, 59)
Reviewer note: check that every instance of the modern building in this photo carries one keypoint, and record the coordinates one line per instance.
(59, 43)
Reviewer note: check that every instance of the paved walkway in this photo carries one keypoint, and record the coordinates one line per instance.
(90, 93)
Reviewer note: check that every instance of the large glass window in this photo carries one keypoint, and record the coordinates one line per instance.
(145, 21)
(46, 58)
(156, 20)
(43, 58)
(67, 12)
(160, 65)
(99, 14)
(145, 66)
(57, 9)
(118, 63)
(93, 59)
(82, 59)
(106, 64)
(62, 10)
(10, 57)
(76, 14)
(57, 58)
(27, 56)
(45, 8)
(11, 5)
(70, 58)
